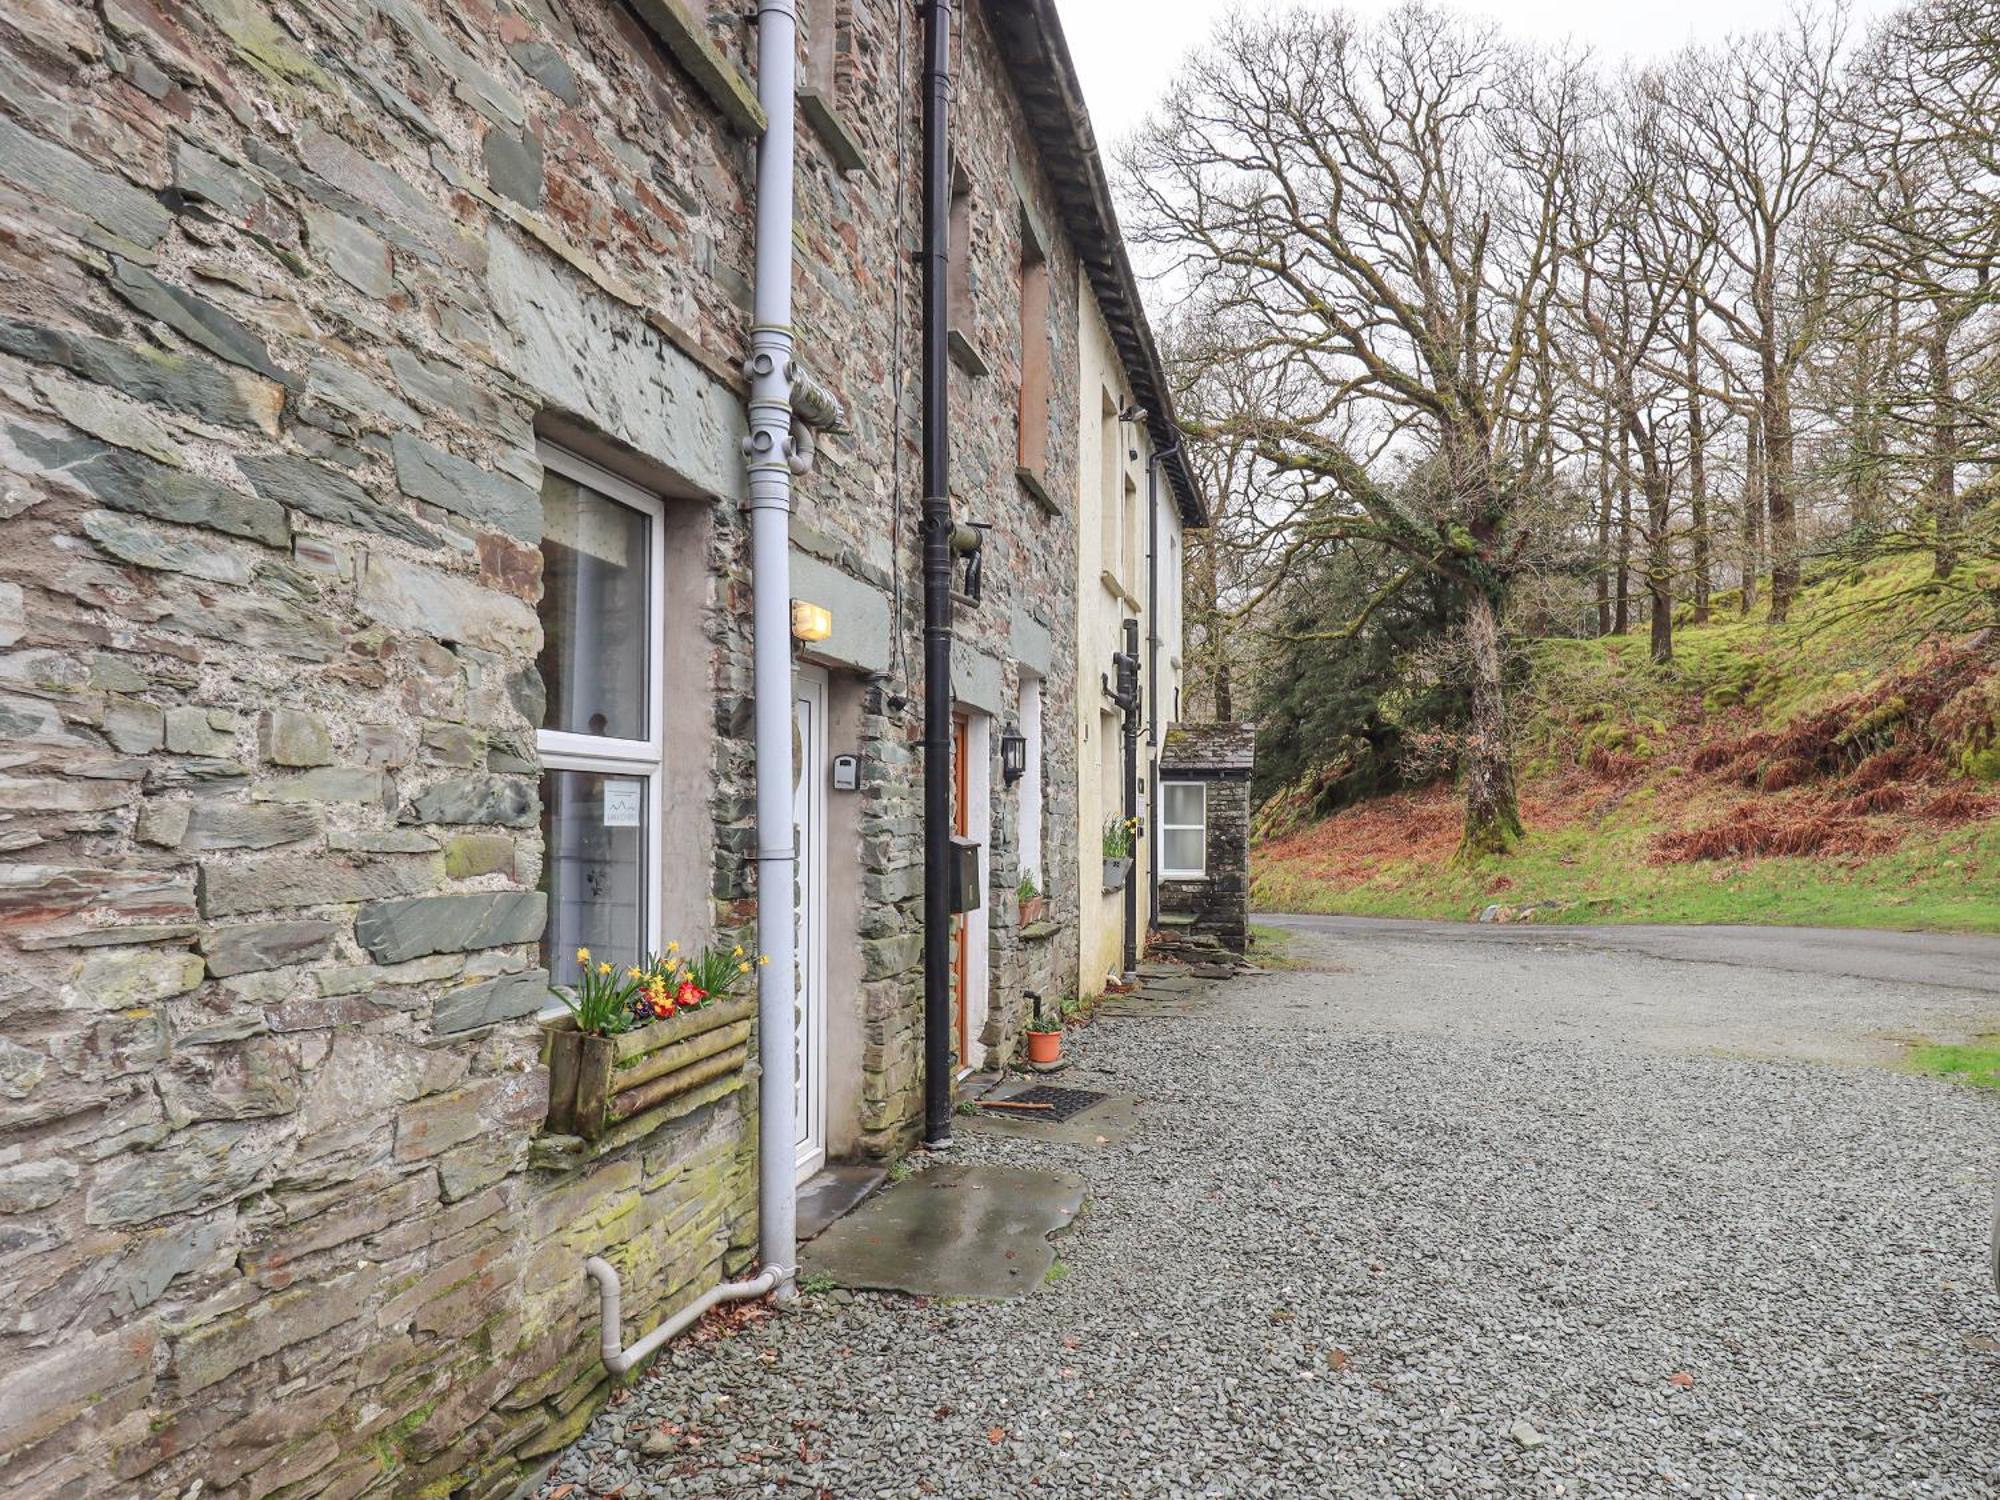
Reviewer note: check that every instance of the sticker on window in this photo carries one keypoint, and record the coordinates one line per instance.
(622, 803)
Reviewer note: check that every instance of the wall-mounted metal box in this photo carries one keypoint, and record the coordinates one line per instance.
(965, 882)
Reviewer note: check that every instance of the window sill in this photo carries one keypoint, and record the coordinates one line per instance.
(840, 142)
(1036, 931)
(686, 40)
(1038, 490)
(964, 353)
(1182, 877)
(1116, 589)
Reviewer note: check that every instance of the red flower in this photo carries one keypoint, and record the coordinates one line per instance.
(689, 994)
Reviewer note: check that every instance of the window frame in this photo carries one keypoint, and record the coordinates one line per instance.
(1031, 851)
(604, 755)
(1169, 872)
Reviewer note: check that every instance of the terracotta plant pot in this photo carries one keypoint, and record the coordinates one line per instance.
(1033, 910)
(1044, 1046)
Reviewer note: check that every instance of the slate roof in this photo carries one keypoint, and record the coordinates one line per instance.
(1216, 749)
(1037, 57)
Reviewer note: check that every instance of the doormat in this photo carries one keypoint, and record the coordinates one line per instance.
(1062, 1103)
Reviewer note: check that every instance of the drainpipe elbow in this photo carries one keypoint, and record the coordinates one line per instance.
(610, 1319)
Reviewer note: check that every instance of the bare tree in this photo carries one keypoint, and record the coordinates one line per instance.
(1380, 212)
(1755, 132)
(1923, 234)
(1635, 256)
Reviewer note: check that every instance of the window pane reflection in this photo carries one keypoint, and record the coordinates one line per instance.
(594, 612)
(1181, 849)
(594, 872)
(1183, 803)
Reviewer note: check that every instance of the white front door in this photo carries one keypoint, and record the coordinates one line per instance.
(972, 817)
(810, 774)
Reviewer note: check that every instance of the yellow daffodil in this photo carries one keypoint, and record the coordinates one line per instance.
(762, 959)
(583, 955)
(634, 974)
(603, 970)
(737, 951)
(674, 946)
(742, 968)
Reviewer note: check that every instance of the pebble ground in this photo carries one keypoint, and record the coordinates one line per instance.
(1407, 1220)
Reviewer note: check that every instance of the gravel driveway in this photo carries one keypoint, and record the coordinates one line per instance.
(1431, 1214)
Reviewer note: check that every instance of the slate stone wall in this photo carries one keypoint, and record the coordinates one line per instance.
(287, 293)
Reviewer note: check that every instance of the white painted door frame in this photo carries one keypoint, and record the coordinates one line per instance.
(811, 774)
(978, 923)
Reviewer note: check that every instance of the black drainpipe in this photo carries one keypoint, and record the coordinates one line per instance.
(937, 578)
(1127, 699)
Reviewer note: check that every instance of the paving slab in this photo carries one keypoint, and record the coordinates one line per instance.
(832, 1193)
(1181, 1003)
(956, 1230)
(1108, 1122)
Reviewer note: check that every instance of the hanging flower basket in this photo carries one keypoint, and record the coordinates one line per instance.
(1121, 839)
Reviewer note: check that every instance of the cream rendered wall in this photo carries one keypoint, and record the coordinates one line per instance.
(1111, 587)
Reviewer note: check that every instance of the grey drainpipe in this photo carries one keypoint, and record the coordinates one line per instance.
(937, 535)
(772, 452)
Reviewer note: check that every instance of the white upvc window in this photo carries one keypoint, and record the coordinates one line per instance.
(1183, 830)
(603, 728)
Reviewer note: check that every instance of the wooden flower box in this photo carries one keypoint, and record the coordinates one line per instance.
(597, 1083)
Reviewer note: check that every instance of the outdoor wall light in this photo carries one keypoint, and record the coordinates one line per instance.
(811, 622)
(1013, 756)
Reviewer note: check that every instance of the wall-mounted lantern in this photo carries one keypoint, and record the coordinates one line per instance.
(1013, 756)
(811, 622)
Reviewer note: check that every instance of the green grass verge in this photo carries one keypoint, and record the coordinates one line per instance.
(1848, 630)
(1949, 882)
(1977, 1064)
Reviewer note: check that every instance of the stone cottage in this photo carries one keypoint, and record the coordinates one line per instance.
(1204, 837)
(373, 634)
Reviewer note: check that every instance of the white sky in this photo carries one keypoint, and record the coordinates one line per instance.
(1126, 50)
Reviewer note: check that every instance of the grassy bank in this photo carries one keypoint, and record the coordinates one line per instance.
(1822, 773)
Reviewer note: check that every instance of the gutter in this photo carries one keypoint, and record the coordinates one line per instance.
(937, 540)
